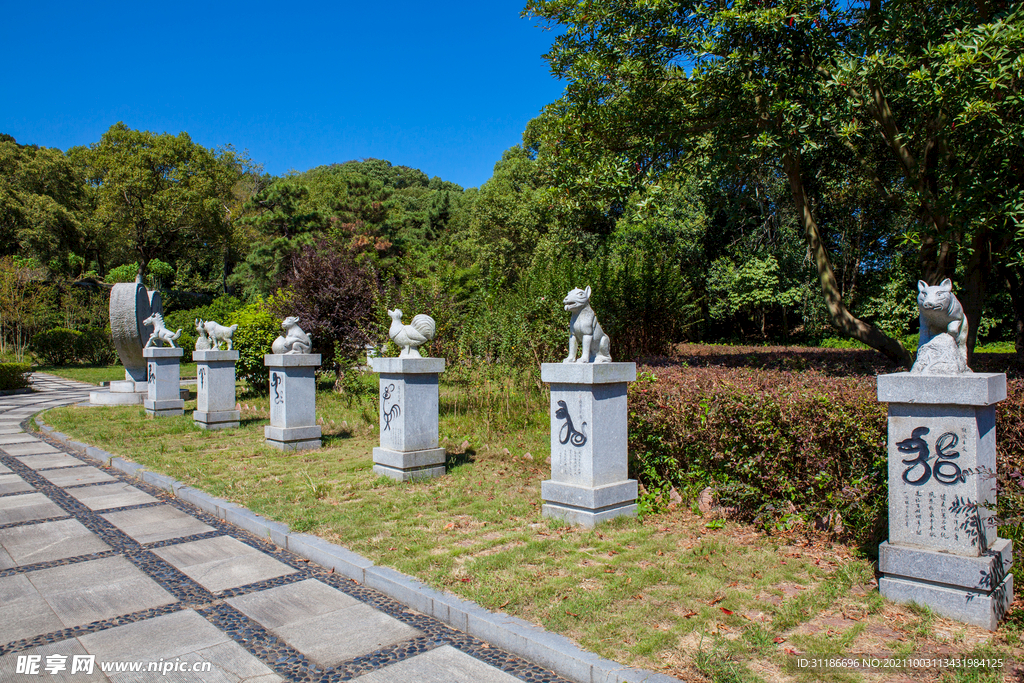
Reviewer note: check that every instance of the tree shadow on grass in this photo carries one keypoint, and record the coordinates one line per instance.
(328, 440)
(454, 460)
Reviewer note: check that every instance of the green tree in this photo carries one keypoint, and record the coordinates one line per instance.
(510, 216)
(42, 202)
(919, 100)
(156, 195)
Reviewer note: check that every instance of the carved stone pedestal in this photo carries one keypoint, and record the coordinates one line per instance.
(215, 390)
(408, 418)
(942, 549)
(163, 366)
(293, 424)
(589, 421)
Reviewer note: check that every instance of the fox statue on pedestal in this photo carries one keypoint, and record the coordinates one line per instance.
(585, 331)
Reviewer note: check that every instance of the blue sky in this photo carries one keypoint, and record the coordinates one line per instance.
(444, 87)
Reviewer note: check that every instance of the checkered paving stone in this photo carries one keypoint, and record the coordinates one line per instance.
(94, 563)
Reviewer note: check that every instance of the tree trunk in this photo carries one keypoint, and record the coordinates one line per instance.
(847, 323)
(937, 260)
(1014, 279)
(972, 294)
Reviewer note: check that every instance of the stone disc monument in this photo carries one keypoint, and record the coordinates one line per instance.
(943, 551)
(130, 305)
(292, 368)
(589, 423)
(409, 404)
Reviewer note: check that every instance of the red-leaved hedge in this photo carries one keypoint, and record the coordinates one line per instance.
(780, 433)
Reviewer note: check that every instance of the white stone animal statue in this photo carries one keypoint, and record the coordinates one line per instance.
(294, 339)
(203, 341)
(160, 333)
(412, 336)
(942, 341)
(220, 334)
(585, 331)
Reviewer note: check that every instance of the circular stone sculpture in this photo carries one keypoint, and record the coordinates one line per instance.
(130, 304)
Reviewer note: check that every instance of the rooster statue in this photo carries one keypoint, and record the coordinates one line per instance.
(411, 337)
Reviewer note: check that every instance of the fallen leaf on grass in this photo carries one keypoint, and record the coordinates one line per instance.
(717, 600)
(504, 604)
(572, 614)
(779, 639)
(725, 611)
(733, 584)
(449, 525)
(689, 614)
(466, 579)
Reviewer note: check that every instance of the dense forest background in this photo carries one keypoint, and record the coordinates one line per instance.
(766, 172)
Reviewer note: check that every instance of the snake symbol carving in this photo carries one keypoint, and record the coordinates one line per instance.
(568, 433)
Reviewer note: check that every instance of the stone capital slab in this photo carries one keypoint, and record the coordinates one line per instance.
(587, 373)
(212, 356)
(291, 360)
(975, 389)
(162, 352)
(408, 366)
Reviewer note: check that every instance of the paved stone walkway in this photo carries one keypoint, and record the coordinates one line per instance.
(98, 568)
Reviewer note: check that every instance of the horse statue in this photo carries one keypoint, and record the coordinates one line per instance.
(160, 333)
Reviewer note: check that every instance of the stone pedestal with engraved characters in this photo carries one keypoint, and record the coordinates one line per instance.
(408, 418)
(589, 420)
(215, 389)
(163, 375)
(943, 551)
(293, 424)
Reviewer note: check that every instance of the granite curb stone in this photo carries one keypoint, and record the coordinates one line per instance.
(509, 633)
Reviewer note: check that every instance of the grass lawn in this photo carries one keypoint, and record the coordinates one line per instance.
(94, 374)
(691, 595)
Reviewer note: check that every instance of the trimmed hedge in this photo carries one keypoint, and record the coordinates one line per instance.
(14, 376)
(58, 346)
(61, 346)
(773, 444)
(787, 435)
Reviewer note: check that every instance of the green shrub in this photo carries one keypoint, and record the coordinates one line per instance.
(96, 346)
(59, 346)
(257, 330)
(220, 310)
(773, 444)
(14, 376)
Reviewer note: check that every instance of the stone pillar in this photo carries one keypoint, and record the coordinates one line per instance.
(942, 549)
(293, 424)
(163, 371)
(408, 418)
(215, 387)
(589, 423)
